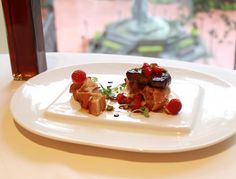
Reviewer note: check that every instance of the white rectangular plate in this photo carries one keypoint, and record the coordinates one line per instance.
(65, 107)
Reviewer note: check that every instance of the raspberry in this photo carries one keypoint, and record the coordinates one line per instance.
(145, 65)
(173, 106)
(120, 98)
(78, 76)
(147, 71)
(157, 69)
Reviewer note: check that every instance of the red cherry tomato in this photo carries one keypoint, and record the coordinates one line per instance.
(173, 106)
(78, 76)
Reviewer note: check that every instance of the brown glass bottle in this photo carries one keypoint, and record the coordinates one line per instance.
(25, 37)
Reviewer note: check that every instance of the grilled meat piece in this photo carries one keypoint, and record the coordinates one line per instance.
(154, 98)
(83, 98)
(88, 86)
(136, 75)
(89, 96)
(161, 80)
(97, 104)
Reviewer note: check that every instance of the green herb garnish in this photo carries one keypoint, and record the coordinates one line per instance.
(143, 110)
(120, 88)
(107, 91)
(109, 108)
(124, 106)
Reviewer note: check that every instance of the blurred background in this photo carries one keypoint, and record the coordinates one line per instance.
(198, 31)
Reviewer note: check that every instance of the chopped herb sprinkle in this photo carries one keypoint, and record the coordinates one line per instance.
(110, 108)
(143, 110)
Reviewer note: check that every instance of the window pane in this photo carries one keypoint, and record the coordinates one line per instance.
(199, 31)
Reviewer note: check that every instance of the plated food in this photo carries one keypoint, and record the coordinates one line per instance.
(145, 89)
(49, 109)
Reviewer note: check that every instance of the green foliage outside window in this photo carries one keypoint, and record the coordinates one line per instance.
(206, 5)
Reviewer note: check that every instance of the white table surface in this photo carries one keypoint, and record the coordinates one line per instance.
(27, 155)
